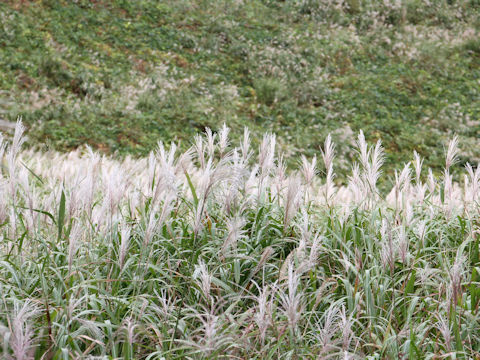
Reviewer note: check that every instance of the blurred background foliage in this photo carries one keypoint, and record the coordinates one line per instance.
(121, 75)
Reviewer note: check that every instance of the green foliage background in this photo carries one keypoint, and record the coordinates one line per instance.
(121, 75)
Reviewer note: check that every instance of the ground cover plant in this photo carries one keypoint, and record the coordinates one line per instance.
(119, 75)
(219, 252)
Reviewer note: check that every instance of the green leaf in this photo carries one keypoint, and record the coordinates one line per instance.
(192, 189)
(474, 290)
(475, 255)
(414, 352)
(41, 212)
(458, 338)
(410, 288)
(31, 172)
(61, 215)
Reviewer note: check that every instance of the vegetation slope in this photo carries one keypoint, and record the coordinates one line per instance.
(120, 75)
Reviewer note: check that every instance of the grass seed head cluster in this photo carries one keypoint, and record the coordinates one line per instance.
(220, 252)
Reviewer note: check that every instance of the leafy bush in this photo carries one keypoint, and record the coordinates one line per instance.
(269, 90)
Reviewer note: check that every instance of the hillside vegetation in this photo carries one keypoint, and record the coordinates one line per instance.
(219, 253)
(120, 75)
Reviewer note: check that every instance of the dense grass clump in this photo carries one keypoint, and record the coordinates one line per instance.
(219, 253)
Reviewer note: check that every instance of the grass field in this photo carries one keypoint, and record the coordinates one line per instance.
(220, 253)
(202, 179)
(121, 75)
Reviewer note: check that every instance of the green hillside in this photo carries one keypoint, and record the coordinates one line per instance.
(121, 75)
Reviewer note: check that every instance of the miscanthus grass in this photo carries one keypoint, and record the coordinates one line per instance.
(221, 253)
